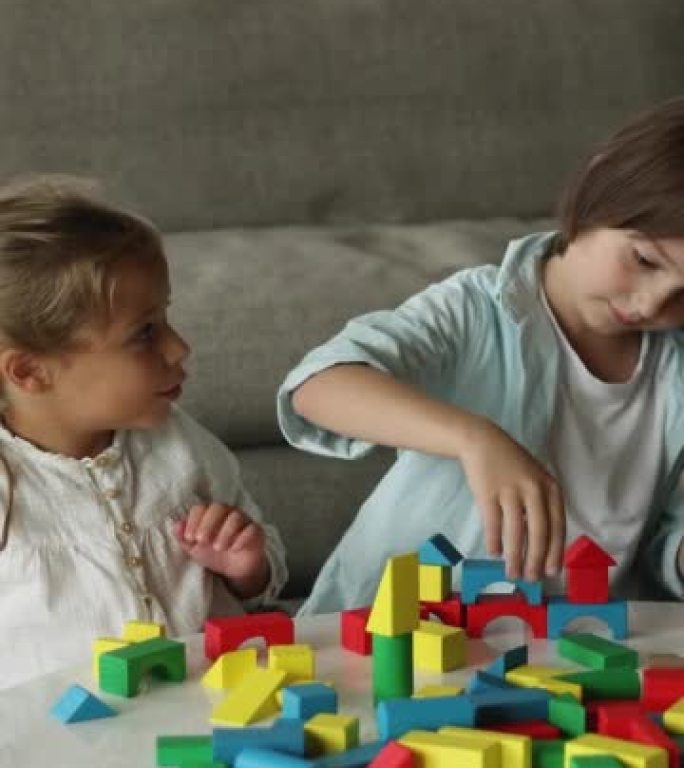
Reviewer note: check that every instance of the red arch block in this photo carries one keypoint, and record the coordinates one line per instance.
(229, 632)
(490, 607)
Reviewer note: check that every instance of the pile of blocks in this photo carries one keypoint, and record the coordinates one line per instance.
(511, 714)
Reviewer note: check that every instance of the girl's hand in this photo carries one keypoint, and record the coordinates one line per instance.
(225, 540)
(520, 502)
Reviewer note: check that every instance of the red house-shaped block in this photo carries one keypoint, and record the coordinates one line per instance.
(586, 566)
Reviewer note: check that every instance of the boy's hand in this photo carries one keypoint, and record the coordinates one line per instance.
(520, 502)
(227, 541)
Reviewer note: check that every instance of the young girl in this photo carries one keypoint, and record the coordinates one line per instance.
(536, 401)
(115, 504)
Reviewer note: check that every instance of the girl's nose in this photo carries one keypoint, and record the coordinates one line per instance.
(176, 350)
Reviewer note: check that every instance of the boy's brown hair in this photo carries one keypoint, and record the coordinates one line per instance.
(634, 181)
(59, 243)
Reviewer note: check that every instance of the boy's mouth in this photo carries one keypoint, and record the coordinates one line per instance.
(173, 393)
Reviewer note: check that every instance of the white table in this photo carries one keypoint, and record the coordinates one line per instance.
(30, 737)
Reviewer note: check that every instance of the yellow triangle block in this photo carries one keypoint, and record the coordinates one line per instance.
(674, 717)
(252, 699)
(396, 609)
(229, 668)
(531, 676)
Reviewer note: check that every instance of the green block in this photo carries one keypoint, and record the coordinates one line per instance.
(185, 751)
(568, 714)
(597, 652)
(122, 670)
(548, 753)
(595, 761)
(606, 683)
(392, 667)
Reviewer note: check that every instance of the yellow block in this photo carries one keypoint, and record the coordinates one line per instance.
(438, 647)
(673, 718)
(434, 582)
(516, 749)
(430, 691)
(229, 668)
(531, 676)
(395, 609)
(630, 753)
(252, 699)
(297, 660)
(327, 733)
(137, 631)
(436, 750)
(103, 645)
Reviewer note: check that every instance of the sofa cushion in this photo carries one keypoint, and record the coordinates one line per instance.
(253, 302)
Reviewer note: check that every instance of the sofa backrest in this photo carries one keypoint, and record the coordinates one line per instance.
(224, 112)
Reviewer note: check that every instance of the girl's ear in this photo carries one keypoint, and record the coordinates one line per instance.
(25, 371)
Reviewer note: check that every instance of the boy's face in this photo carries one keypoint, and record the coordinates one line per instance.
(619, 282)
(126, 371)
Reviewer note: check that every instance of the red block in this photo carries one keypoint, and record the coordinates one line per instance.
(535, 729)
(394, 755)
(353, 634)
(490, 607)
(229, 632)
(449, 611)
(629, 720)
(645, 731)
(661, 687)
(593, 705)
(586, 566)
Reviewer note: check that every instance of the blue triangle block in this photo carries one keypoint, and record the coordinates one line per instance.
(76, 705)
(438, 550)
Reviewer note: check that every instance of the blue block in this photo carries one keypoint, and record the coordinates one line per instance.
(357, 757)
(510, 706)
(485, 681)
(438, 550)
(283, 736)
(479, 574)
(514, 657)
(254, 757)
(76, 705)
(396, 716)
(561, 612)
(304, 700)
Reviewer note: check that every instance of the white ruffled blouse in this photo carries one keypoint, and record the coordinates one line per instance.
(91, 543)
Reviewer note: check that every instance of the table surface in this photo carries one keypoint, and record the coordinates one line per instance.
(29, 736)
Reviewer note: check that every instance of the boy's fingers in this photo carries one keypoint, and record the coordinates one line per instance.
(537, 533)
(554, 557)
(491, 515)
(514, 536)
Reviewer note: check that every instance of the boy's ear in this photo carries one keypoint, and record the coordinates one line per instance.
(24, 370)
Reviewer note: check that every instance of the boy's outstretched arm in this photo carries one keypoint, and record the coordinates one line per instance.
(520, 502)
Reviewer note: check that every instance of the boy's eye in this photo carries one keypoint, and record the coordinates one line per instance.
(642, 261)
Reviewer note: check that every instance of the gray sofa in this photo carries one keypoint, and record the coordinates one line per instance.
(309, 160)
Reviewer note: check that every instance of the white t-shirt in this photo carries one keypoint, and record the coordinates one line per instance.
(91, 543)
(606, 450)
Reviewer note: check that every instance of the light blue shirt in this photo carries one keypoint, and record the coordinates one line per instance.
(481, 340)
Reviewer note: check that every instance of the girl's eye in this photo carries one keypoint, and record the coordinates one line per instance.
(642, 261)
(146, 333)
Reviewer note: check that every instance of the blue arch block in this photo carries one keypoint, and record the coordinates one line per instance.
(479, 574)
(561, 612)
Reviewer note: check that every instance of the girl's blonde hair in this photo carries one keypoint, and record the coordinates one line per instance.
(59, 243)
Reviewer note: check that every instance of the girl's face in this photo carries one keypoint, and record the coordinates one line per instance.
(126, 372)
(618, 282)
